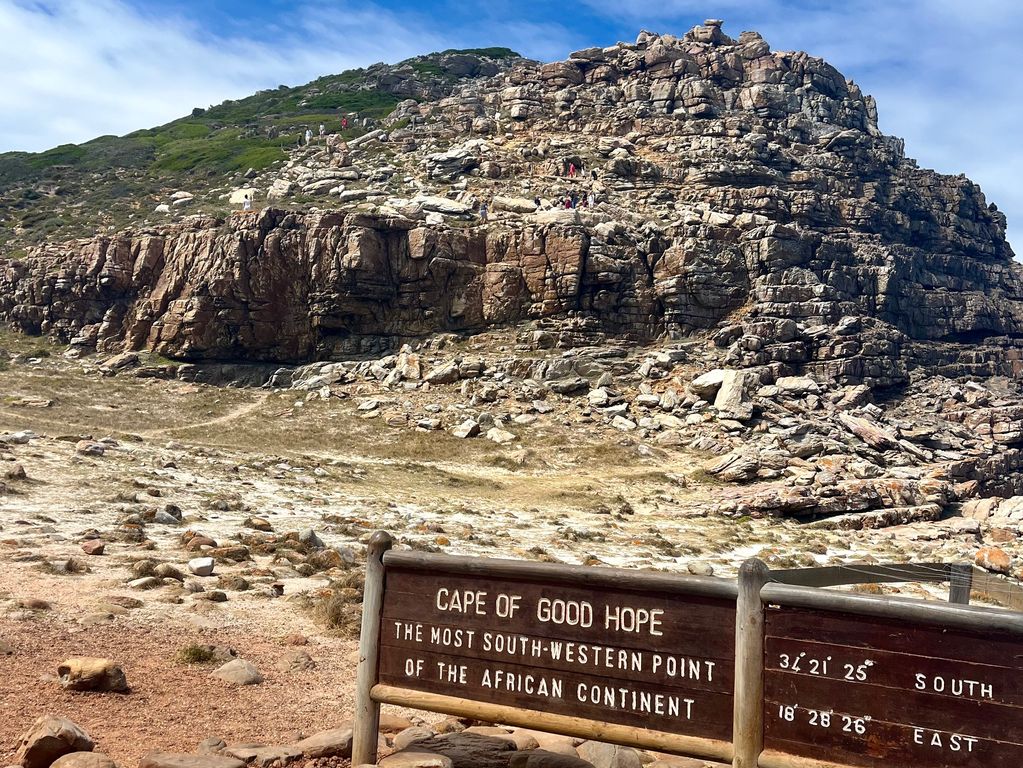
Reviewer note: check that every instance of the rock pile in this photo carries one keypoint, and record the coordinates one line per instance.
(450, 743)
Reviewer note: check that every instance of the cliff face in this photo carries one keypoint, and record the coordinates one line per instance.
(739, 191)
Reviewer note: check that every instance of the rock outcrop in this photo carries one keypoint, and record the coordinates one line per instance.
(736, 191)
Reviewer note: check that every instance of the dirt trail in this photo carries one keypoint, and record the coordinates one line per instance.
(234, 414)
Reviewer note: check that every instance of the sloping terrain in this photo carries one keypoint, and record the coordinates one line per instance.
(111, 182)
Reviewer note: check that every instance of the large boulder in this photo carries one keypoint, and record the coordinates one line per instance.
(50, 738)
(176, 760)
(333, 743)
(84, 760)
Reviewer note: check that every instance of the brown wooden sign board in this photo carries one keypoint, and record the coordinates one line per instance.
(759, 674)
(871, 691)
(658, 661)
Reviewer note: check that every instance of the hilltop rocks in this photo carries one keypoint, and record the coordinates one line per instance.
(737, 191)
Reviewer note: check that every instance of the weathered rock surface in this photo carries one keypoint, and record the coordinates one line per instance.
(92, 674)
(729, 178)
(50, 738)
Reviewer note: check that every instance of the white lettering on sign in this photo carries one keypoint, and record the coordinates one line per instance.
(616, 697)
(953, 742)
(677, 666)
(624, 619)
(956, 686)
(406, 630)
(461, 601)
(452, 673)
(535, 685)
(451, 637)
(825, 719)
(574, 613)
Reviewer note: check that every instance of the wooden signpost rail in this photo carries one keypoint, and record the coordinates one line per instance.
(753, 672)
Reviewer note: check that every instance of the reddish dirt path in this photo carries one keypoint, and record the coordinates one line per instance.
(172, 706)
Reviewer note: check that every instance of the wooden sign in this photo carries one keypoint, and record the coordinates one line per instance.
(869, 690)
(639, 658)
(658, 661)
(755, 673)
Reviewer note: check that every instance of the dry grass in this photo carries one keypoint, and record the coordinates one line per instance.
(338, 607)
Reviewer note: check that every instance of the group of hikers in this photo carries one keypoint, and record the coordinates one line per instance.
(570, 200)
(323, 131)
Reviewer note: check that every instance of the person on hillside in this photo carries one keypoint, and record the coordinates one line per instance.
(484, 212)
(571, 170)
(247, 203)
(591, 199)
(344, 123)
(323, 130)
(308, 136)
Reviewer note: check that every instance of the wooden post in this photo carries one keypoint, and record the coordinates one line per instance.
(748, 713)
(960, 583)
(367, 711)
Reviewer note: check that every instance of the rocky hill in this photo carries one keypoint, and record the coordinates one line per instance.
(739, 191)
(110, 182)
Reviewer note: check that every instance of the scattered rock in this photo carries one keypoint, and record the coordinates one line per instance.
(93, 547)
(202, 566)
(239, 672)
(92, 674)
(333, 743)
(994, 559)
(50, 738)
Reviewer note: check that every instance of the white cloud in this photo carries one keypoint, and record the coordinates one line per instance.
(92, 67)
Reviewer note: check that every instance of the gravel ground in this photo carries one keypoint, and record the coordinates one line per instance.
(172, 706)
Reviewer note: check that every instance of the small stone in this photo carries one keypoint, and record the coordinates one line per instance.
(410, 736)
(333, 743)
(541, 758)
(239, 672)
(466, 429)
(701, 569)
(13, 472)
(202, 566)
(602, 755)
(296, 660)
(393, 723)
(89, 448)
(93, 547)
(265, 757)
(500, 436)
(146, 582)
(415, 758)
(171, 760)
(212, 596)
(622, 423)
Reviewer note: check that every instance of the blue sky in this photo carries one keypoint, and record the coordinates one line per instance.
(945, 72)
